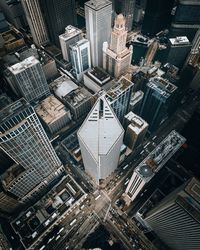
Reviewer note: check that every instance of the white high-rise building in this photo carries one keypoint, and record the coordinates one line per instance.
(71, 36)
(100, 138)
(35, 21)
(148, 168)
(98, 27)
(80, 58)
(28, 80)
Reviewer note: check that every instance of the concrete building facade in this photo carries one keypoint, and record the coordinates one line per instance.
(116, 56)
(71, 36)
(36, 21)
(28, 79)
(98, 16)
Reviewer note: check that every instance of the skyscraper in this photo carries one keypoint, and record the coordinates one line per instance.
(157, 101)
(23, 138)
(35, 21)
(176, 218)
(117, 57)
(179, 47)
(135, 131)
(71, 36)
(98, 26)
(149, 167)
(157, 16)
(27, 79)
(119, 96)
(100, 138)
(80, 58)
(186, 19)
(126, 8)
(14, 12)
(58, 14)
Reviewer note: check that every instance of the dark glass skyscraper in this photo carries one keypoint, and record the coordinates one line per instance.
(186, 20)
(58, 14)
(127, 9)
(157, 102)
(157, 16)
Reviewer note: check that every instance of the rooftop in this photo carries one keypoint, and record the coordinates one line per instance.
(77, 97)
(137, 123)
(161, 85)
(98, 75)
(62, 86)
(21, 66)
(97, 4)
(161, 154)
(13, 108)
(70, 31)
(118, 88)
(11, 36)
(79, 43)
(50, 110)
(179, 40)
(193, 189)
(31, 224)
(136, 97)
(104, 129)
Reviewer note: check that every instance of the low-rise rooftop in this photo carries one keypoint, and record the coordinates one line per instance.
(50, 110)
(62, 86)
(98, 75)
(118, 88)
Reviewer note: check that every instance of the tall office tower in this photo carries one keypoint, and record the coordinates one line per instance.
(176, 218)
(178, 51)
(35, 21)
(23, 138)
(157, 102)
(151, 52)
(186, 19)
(98, 27)
(58, 14)
(27, 79)
(135, 131)
(100, 138)
(196, 42)
(138, 10)
(117, 57)
(119, 96)
(14, 12)
(127, 9)
(80, 58)
(195, 51)
(71, 36)
(157, 16)
(150, 166)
